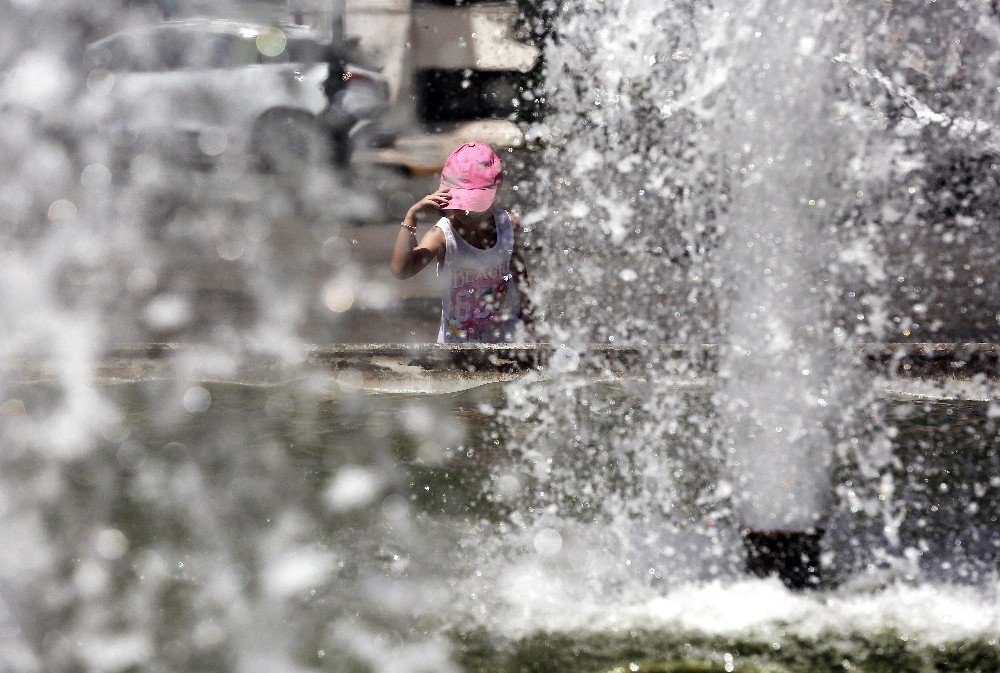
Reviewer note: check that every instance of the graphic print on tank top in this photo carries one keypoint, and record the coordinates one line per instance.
(478, 299)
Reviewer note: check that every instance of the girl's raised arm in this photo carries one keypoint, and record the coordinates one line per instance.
(408, 256)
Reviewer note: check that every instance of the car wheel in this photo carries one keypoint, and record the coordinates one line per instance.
(289, 140)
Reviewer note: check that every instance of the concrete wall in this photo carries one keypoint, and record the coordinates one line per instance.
(476, 37)
(401, 37)
(383, 29)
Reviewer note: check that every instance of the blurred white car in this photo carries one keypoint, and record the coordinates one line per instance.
(200, 88)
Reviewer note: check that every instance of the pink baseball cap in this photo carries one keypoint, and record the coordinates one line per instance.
(472, 173)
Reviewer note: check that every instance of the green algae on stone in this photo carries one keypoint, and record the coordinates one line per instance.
(977, 656)
(693, 667)
(656, 651)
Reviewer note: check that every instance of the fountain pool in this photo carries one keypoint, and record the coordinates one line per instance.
(783, 183)
(224, 525)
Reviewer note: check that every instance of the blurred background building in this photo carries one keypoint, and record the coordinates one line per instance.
(454, 68)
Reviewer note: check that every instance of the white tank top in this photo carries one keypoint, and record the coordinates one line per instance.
(479, 300)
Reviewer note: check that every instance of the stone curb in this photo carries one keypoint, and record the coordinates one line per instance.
(962, 360)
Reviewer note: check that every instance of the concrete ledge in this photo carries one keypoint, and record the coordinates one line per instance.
(468, 357)
(449, 368)
(474, 37)
(892, 359)
(961, 360)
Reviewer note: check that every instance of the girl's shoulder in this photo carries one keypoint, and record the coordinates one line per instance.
(437, 237)
(443, 229)
(515, 223)
(514, 219)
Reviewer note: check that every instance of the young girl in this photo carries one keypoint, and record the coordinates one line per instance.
(475, 248)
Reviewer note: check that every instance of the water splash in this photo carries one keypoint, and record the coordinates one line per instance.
(167, 524)
(714, 174)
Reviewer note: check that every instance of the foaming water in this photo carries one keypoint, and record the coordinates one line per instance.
(758, 609)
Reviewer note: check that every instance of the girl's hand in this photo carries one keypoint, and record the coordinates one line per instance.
(436, 201)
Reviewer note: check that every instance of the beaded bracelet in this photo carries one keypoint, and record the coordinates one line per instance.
(411, 227)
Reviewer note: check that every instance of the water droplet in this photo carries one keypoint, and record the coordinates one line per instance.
(197, 400)
(111, 544)
(352, 488)
(548, 542)
(565, 360)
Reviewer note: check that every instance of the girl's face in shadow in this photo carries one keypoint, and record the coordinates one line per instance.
(469, 218)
